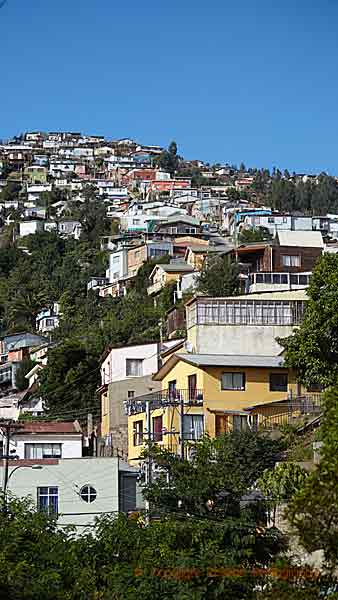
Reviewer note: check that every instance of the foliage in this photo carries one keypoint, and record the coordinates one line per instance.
(314, 511)
(168, 160)
(24, 367)
(312, 350)
(218, 277)
(281, 483)
(220, 472)
(254, 234)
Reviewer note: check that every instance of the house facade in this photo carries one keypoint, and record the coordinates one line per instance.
(213, 394)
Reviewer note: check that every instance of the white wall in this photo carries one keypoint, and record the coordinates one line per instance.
(69, 476)
(71, 444)
(238, 339)
(113, 367)
(28, 227)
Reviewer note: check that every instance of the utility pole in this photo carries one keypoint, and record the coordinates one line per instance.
(148, 472)
(8, 427)
(182, 453)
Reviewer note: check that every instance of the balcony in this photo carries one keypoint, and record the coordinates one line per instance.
(155, 288)
(162, 399)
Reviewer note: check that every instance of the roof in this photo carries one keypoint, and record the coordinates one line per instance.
(233, 360)
(52, 427)
(220, 360)
(301, 239)
(178, 218)
(278, 296)
(176, 267)
(16, 341)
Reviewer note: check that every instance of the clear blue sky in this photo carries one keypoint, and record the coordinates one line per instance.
(252, 80)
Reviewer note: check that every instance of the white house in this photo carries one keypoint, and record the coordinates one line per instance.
(29, 227)
(133, 361)
(38, 440)
(77, 490)
(48, 318)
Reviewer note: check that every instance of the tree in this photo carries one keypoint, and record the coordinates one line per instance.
(314, 510)
(312, 350)
(218, 277)
(168, 160)
(280, 484)
(21, 383)
(254, 234)
(93, 217)
(213, 482)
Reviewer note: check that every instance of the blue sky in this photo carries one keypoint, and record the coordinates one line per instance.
(252, 80)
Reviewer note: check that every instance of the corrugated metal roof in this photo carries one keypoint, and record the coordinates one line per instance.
(301, 239)
(232, 360)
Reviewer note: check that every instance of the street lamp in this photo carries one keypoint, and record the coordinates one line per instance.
(35, 467)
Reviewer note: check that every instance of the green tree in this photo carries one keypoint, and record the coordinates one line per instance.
(218, 277)
(312, 350)
(254, 234)
(280, 484)
(24, 367)
(168, 160)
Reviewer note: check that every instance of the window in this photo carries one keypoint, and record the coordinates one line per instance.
(48, 500)
(303, 279)
(172, 389)
(131, 393)
(157, 429)
(39, 451)
(290, 261)
(192, 385)
(239, 423)
(315, 388)
(88, 493)
(233, 381)
(138, 433)
(134, 367)
(49, 322)
(278, 382)
(192, 427)
(116, 259)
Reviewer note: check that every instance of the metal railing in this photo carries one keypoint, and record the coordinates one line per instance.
(162, 399)
(294, 409)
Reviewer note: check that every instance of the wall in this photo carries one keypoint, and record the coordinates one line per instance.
(136, 257)
(71, 444)
(115, 421)
(120, 266)
(114, 366)
(257, 383)
(28, 227)
(308, 257)
(238, 339)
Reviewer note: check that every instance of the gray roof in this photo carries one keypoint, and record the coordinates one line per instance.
(176, 267)
(178, 218)
(301, 239)
(232, 360)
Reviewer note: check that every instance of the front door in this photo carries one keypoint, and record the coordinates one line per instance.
(221, 424)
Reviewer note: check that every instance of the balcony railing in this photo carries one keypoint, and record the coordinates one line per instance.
(154, 288)
(163, 399)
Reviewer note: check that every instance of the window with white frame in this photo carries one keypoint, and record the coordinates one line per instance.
(233, 381)
(39, 451)
(138, 433)
(48, 499)
(192, 427)
(134, 367)
(291, 260)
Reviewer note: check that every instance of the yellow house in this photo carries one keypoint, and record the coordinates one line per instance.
(161, 275)
(210, 394)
